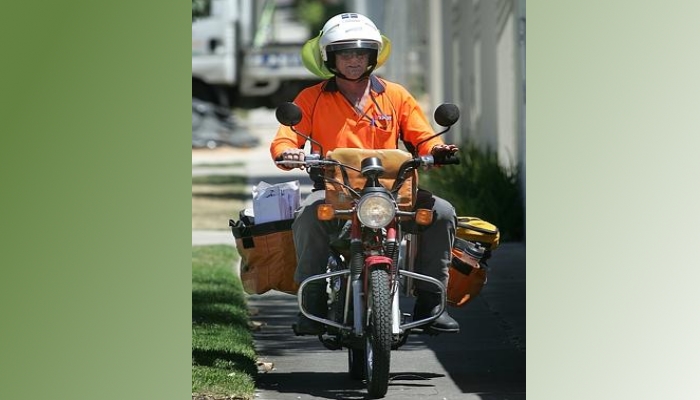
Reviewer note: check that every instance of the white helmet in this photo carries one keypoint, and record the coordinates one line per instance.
(349, 31)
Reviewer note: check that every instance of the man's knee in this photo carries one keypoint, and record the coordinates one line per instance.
(444, 212)
(305, 216)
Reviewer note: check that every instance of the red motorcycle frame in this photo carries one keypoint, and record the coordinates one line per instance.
(371, 260)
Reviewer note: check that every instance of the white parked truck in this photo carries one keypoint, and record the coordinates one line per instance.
(246, 53)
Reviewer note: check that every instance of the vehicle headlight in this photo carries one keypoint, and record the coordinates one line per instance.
(376, 210)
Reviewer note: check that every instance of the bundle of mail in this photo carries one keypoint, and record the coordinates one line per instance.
(275, 202)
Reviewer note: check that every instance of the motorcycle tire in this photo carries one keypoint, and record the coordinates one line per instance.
(378, 334)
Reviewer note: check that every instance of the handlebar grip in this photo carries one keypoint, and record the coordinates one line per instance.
(448, 159)
(307, 157)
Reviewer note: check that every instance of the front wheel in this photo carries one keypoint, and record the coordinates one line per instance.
(378, 334)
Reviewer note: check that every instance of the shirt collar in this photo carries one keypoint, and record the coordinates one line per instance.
(375, 84)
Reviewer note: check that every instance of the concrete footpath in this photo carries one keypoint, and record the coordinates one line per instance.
(486, 360)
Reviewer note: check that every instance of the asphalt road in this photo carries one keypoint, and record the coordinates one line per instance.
(486, 360)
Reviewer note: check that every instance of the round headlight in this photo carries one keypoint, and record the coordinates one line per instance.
(376, 210)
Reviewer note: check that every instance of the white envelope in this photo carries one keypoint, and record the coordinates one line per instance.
(275, 202)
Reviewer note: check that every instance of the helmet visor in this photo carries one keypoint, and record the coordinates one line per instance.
(353, 44)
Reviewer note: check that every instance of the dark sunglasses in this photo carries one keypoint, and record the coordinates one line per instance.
(350, 53)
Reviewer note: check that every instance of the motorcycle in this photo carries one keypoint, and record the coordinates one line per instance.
(373, 257)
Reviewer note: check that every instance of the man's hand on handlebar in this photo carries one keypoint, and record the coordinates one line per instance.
(292, 155)
(443, 152)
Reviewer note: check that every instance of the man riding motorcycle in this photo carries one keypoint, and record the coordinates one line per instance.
(353, 108)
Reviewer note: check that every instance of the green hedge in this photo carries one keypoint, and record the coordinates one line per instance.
(480, 187)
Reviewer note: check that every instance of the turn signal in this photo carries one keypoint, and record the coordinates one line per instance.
(424, 216)
(325, 212)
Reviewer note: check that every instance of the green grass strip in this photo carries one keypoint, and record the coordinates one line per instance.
(226, 179)
(223, 355)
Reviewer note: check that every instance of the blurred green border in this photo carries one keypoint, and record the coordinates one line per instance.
(96, 226)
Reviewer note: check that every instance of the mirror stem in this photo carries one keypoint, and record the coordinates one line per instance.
(308, 138)
(425, 140)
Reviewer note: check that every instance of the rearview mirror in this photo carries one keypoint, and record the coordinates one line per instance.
(446, 114)
(288, 114)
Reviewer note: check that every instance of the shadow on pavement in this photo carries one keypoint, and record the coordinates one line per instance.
(326, 385)
(486, 359)
(488, 355)
(339, 385)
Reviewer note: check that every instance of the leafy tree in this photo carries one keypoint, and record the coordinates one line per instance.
(200, 8)
(315, 13)
(480, 187)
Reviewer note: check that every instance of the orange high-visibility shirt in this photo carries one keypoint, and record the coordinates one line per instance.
(330, 119)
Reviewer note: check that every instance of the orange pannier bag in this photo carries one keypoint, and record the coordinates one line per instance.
(268, 258)
(475, 240)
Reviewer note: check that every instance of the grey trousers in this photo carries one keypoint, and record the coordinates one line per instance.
(312, 238)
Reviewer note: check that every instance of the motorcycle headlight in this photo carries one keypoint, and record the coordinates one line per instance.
(376, 210)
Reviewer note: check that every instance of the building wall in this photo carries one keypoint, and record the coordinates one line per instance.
(483, 72)
(467, 52)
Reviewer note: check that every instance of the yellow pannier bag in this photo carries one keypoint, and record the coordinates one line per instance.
(474, 241)
(477, 230)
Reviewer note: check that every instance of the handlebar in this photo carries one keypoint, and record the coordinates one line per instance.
(428, 161)
(314, 161)
(447, 159)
